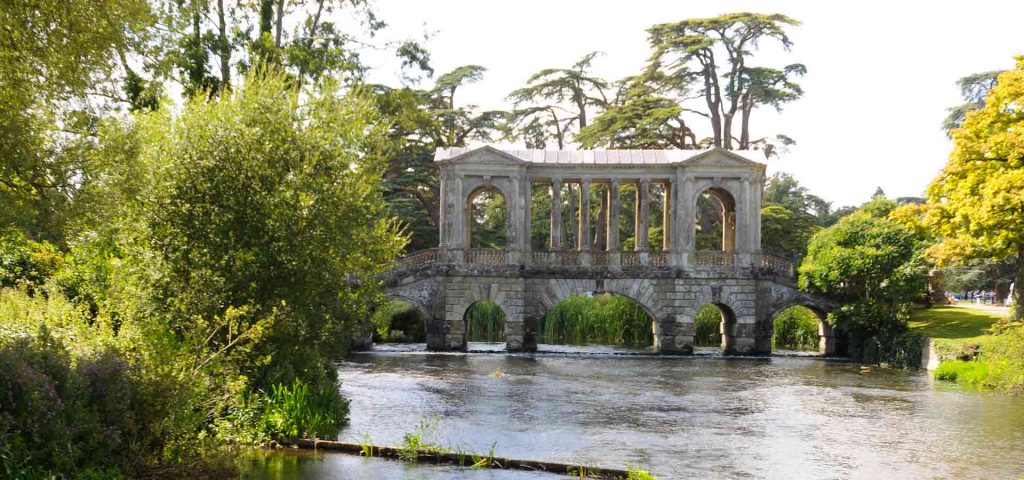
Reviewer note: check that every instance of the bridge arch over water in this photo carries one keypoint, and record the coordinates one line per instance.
(671, 283)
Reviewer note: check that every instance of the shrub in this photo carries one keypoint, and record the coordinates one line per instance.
(894, 347)
(24, 260)
(398, 321)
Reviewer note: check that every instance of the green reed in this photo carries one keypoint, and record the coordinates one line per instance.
(709, 327)
(796, 329)
(485, 322)
(604, 318)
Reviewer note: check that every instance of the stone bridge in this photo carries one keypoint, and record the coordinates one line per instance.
(672, 281)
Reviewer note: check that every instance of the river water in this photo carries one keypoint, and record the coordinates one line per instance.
(678, 417)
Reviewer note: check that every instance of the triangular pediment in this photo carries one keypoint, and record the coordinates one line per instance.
(481, 155)
(720, 157)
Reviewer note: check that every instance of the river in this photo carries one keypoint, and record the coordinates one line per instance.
(678, 417)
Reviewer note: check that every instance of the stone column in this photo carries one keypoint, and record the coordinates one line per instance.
(584, 215)
(729, 230)
(613, 216)
(574, 223)
(666, 217)
(643, 205)
(556, 214)
(442, 214)
(686, 218)
(600, 242)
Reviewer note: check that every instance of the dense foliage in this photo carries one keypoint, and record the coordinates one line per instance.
(212, 279)
(870, 264)
(975, 205)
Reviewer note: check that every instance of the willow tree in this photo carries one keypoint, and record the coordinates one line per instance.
(715, 54)
(555, 100)
(976, 204)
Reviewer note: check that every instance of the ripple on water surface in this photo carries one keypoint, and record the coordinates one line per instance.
(697, 417)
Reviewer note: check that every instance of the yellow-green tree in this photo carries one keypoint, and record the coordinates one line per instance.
(976, 205)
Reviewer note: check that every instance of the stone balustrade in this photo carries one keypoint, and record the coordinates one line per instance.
(702, 260)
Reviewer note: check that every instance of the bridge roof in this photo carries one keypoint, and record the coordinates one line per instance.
(598, 157)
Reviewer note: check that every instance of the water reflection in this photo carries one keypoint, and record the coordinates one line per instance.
(700, 417)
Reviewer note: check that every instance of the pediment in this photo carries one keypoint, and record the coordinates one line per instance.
(719, 157)
(482, 155)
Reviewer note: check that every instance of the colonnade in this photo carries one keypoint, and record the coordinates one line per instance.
(681, 176)
(608, 219)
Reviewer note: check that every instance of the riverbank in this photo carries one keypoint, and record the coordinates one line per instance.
(975, 345)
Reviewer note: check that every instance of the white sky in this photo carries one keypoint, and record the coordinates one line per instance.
(880, 73)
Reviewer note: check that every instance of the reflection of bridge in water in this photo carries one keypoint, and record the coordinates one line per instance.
(671, 281)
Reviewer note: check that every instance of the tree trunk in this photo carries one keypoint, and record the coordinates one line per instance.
(745, 127)
(1018, 287)
(279, 23)
(225, 48)
(727, 131)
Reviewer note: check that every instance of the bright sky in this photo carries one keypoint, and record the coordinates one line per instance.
(880, 73)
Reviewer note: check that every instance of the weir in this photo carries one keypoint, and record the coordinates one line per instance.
(671, 280)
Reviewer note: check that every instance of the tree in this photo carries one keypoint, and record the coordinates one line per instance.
(639, 117)
(973, 88)
(420, 122)
(555, 99)
(976, 204)
(687, 53)
(57, 60)
(868, 263)
(233, 236)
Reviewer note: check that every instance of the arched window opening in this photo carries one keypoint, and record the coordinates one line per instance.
(485, 322)
(399, 321)
(716, 221)
(488, 219)
(602, 318)
(714, 323)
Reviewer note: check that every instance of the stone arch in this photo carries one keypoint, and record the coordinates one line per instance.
(469, 206)
(411, 301)
(736, 300)
(551, 292)
(473, 186)
(726, 326)
(506, 292)
(466, 320)
(726, 201)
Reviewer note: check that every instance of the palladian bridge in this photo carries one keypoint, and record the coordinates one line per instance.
(672, 281)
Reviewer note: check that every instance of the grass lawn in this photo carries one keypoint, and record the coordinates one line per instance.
(963, 324)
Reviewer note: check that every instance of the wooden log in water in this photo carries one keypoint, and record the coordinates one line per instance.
(459, 459)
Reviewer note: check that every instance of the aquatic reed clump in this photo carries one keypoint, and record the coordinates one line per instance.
(485, 322)
(603, 318)
(795, 328)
